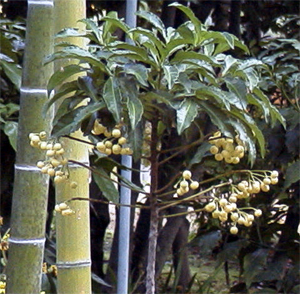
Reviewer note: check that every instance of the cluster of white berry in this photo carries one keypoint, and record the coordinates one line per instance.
(114, 141)
(186, 183)
(64, 209)
(227, 149)
(225, 208)
(55, 164)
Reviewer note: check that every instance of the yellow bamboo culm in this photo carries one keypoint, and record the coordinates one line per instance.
(73, 233)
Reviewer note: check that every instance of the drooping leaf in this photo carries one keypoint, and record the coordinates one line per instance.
(12, 71)
(139, 71)
(186, 114)
(200, 153)
(11, 130)
(69, 32)
(61, 75)
(85, 83)
(106, 185)
(135, 138)
(112, 98)
(292, 174)
(154, 20)
(91, 25)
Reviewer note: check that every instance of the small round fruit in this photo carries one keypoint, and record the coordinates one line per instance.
(194, 185)
(211, 206)
(267, 181)
(51, 172)
(100, 146)
(108, 151)
(116, 133)
(234, 216)
(187, 175)
(274, 181)
(219, 157)
(43, 135)
(44, 169)
(50, 153)
(241, 186)
(35, 139)
(214, 149)
(184, 184)
(55, 162)
(180, 192)
(223, 202)
(56, 208)
(232, 199)
(40, 164)
(264, 188)
(215, 214)
(63, 206)
(257, 212)
(57, 146)
(108, 144)
(234, 230)
(67, 212)
(122, 141)
(274, 174)
(43, 145)
(235, 160)
(116, 149)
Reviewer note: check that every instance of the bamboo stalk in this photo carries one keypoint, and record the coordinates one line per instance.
(29, 208)
(72, 231)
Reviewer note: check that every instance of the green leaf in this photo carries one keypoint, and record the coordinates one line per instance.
(77, 53)
(61, 75)
(200, 153)
(13, 72)
(188, 56)
(112, 98)
(129, 183)
(69, 32)
(292, 174)
(186, 114)
(195, 21)
(11, 130)
(91, 25)
(106, 185)
(139, 71)
(154, 20)
(135, 138)
(85, 83)
(171, 75)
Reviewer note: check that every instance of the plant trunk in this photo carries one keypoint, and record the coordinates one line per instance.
(73, 231)
(29, 208)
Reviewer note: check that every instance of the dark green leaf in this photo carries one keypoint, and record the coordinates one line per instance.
(186, 114)
(171, 75)
(11, 130)
(85, 83)
(69, 32)
(200, 153)
(106, 185)
(292, 174)
(139, 71)
(13, 72)
(112, 98)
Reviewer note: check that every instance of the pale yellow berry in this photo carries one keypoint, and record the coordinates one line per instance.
(49, 146)
(248, 223)
(241, 155)
(229, 147)
(31, 135)
(64, 161)
(122, 141)
(234, 230)
(184, 184)
(35, 138)
(255, 187)
(56, 208)
(215, 214)
(267, 181)
(67, 212)
(225, 154)
(51, 172)
(239, 149)
(180, 192)
(107, 134)
(63, 206)
(223, 202)
(257, 212)
(235, 160)
(228, 159)
(211, 206)
(43, 135)
(60, 151)
(274, 174)
(214, 149)
(73, 185)
(116, 133)
(232, 198)
(234, 216)
(241, 186)
(108, 144)
(264, 188)
(219, 157)
(55, 162)
(58, 179)
(108, 151)
(50, 153)
(57, 146)
(44, 170)
(194, 185)
(241, 220)
(228, 208)
(40, 164)
(100, 146)
(43, 145)
(59, 173)
(274, 181)
(116, 149)
(187, 175)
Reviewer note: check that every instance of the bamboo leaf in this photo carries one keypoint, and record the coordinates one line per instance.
(11, 131)
(106, 185)
(186, 114)
(112, 98)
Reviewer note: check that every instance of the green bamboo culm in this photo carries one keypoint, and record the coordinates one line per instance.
(72, 231)
(30, 194)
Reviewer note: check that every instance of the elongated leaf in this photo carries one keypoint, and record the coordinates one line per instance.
(292, 174)
(171, 75)
(139, 71)
(112, 98)
(196, 22)
(86, 84)
(200, 153)
(186, 114)
(106, 185)
(154, 20)
(183, 56)
(69, 32)
(135, 138)
(11, 130)
(60, 76)
(91, 25)
(129, 183)
(13, 72)
(77, 53)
